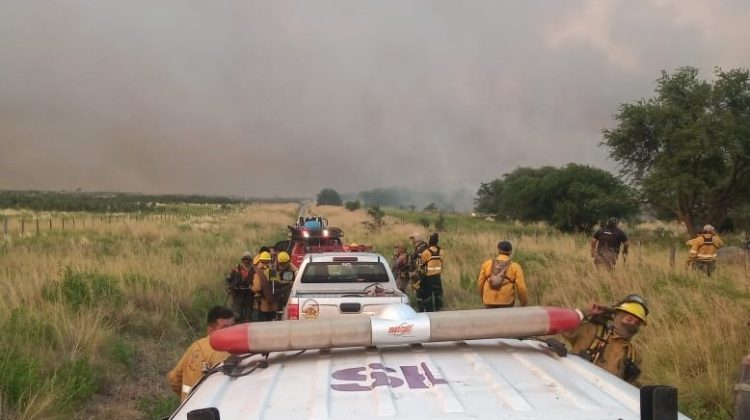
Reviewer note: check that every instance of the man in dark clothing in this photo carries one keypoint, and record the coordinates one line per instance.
(605, 247)
(238, 286)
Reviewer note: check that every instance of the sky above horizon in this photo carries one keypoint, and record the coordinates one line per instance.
(286, 98)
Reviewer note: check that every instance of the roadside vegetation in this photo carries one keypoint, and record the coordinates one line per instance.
(92, 319)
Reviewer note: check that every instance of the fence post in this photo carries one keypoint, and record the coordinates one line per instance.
(672, 253)
(742, 391)
(50, 223)
(74, 222)
(37, 226)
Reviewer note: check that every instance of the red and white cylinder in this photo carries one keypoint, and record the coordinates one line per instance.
(397, 326)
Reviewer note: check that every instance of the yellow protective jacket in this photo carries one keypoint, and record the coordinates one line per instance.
(506, 295)
(426, 256)
(703, 247)
(189, 369)
(262, 286)
(612, 358)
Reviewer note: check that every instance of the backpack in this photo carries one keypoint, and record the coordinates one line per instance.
(415, 259)
(434, 265)
(708, 240)
(235, 280)
(497, 276)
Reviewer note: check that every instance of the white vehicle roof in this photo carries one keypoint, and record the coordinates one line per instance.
(481, 379)
(421, 378)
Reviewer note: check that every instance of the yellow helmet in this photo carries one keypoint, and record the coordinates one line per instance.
(264, 256)
(283, 257)
(633, 308)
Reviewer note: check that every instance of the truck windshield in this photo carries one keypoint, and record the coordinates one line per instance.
(345, 272)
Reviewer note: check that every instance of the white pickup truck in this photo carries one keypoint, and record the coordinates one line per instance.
(342, 283)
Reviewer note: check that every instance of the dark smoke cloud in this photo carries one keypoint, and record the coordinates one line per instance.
(280, 98)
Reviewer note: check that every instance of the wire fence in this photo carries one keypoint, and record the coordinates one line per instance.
(39, 224)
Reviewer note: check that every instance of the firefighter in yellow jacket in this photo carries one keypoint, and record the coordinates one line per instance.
(430, 292)
(200, 356)
(263, 289)
(702, 253)
(501, 279)
(605, 336)
(281, 275)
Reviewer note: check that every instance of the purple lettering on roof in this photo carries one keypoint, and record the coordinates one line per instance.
(377, 374)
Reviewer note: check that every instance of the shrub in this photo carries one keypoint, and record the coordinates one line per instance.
(82, 289)
(352, 205)
(76, 381)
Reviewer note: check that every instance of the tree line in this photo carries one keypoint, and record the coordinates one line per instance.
(683, 155)
(101, 202)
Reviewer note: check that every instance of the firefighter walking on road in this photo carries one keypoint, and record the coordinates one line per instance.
(501, 280)
(702, 253)
(238, 287)
(430, 292)
(605, 336)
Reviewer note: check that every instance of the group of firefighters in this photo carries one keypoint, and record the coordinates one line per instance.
(260, 285)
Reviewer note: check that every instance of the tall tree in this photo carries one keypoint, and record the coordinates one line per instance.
(572, 198)
(687, 150)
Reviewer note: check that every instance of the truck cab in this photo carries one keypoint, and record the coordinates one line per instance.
(311, 234)
(342, 283)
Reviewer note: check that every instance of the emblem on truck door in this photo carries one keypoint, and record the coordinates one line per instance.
(310, 309)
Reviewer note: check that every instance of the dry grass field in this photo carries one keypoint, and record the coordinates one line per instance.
(92, 319)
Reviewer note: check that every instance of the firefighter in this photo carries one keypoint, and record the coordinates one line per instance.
(260, 251)
(702, 253)
(501, 280)
(281, 275)
(430, 292)
(414, 258)
(605, 337)
(199, 357)
(266, 305)
(238, 287)
(605, 246)
(400, 267)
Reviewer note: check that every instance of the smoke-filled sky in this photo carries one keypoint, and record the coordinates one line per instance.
(285, 98)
